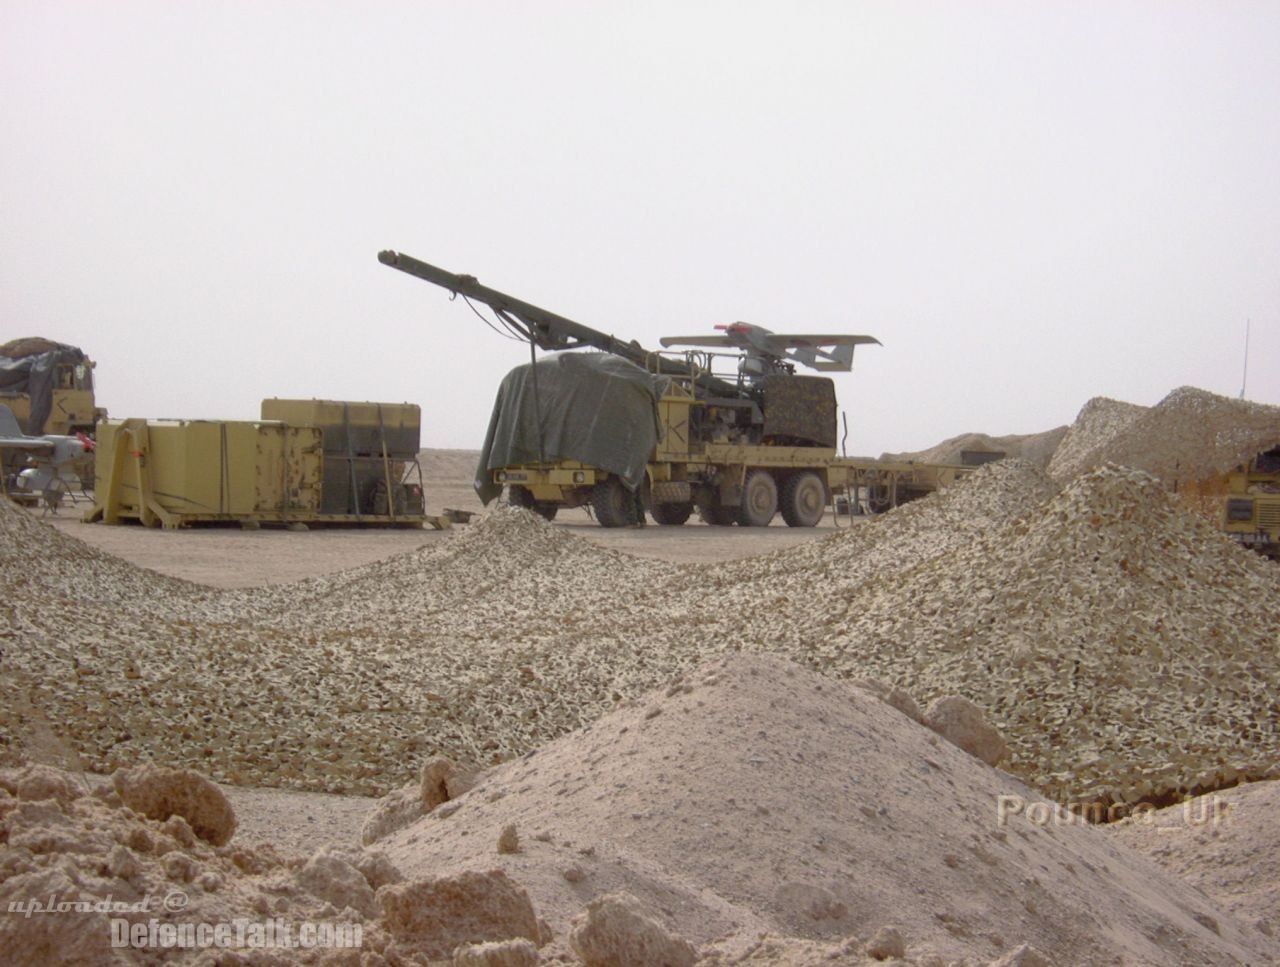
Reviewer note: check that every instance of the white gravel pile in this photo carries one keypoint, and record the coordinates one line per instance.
(1105, 631)
(827, 570)
(1189, 436)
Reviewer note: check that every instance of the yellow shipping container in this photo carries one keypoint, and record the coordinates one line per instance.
(180, 472)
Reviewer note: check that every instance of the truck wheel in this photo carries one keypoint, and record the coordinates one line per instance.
(804, 499)
(523, 497)
(759, 499)
(614, 504)
(718, 516)
(673, 515)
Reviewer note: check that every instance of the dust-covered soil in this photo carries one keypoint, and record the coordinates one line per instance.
(752, 796)
(751, 811)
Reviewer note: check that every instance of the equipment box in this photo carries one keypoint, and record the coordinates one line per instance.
(313, 461)
(205, 470)
(354, 429)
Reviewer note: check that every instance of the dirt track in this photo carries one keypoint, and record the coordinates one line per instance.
(228, 557)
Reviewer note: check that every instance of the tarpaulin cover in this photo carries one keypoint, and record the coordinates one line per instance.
(27, 366)
(596, 408)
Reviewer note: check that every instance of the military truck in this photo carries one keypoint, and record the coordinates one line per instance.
(623, 430)
(1251, 511)
(49, 388)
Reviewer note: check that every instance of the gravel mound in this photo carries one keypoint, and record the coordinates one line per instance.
(1226, 844)
(826, 571)
(1123, 649)
(1036, 449)
(37, 561)
(1188, 437)
(753, 797)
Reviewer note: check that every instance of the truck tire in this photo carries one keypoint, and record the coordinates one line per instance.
(759, 499)
(522, 497)
(672, 515)
(716, 515)
(614, 504)
(803, 500)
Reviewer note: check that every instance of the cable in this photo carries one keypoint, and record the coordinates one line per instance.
(514, 326)
(537, 403)
(504, 335)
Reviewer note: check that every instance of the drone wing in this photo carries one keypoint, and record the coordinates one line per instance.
(718, 341)
(782, 341)
(826, 354)
(12, 437)
(31, 444)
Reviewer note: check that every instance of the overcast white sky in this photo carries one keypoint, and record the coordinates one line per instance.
(1030, 204)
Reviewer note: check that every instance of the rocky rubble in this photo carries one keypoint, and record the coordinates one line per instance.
(93, 859)
(62, 843)
(1124, 649)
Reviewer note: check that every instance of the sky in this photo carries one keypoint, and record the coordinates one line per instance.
(1030, 204)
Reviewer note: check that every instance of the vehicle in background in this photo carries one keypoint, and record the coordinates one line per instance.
(625, 430)
(1251, 512)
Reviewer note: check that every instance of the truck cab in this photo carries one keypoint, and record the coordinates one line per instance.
(1251, 511)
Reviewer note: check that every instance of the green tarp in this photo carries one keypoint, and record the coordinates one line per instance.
(596, 408)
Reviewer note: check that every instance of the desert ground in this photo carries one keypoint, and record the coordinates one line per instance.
(232, 558)
(514, 742)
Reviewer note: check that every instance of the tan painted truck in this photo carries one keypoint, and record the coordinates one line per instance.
(726, 483)
(49, 387)
(622, 429)
(1251, 510)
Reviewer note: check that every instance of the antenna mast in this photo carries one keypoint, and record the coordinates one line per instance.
(1244, 382)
